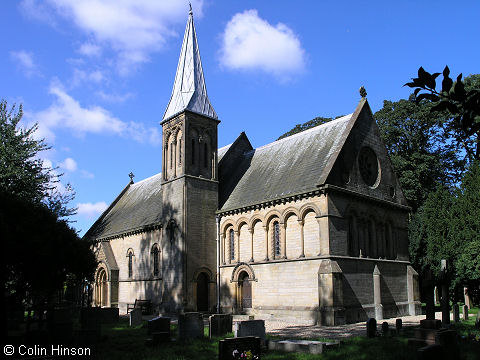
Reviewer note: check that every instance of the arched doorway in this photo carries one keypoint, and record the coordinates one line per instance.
(101, 288)
(202, 292)
(245, 287)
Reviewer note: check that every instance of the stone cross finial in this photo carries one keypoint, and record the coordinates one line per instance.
(363, 92)
(131, 176)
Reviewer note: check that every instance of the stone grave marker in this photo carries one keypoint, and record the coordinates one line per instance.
(430, 352)
(109, 315)
(190, 326)
(251, 328)
(448, 340)
(90, 326)
(234, 348)
(477, 321)
(219, 324)
(456, 313)
(385, 329)
(371, 327)
(135, 317)
(465, 312)
(60, 326)
(158, 324)
(398, 325)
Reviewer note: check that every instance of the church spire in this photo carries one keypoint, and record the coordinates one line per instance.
(189, 90)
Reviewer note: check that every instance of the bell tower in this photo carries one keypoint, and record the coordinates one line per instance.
(189, 182)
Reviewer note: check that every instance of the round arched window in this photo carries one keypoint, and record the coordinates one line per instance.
(369, 167)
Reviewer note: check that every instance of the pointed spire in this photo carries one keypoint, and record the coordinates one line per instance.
(189, 90)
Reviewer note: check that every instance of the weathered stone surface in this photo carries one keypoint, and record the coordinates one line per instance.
(430, 324)
(233, 348)
(477, 321)
(219, 324)
(465, 312)
(190, 326)
(385, 329)
(158, 324)
(251, 328)
(398, 325)
(135, 317)
(304, 346)
(456, 313)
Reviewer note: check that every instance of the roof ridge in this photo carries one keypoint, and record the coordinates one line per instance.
(147, 179)
(313, 129)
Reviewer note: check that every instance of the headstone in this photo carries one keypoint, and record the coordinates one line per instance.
(385, 329)
(219, 324)
(190, 326)
(251, 328)
(109, 315)
(430, 352)
(456, 313)
(466, 295)
(239, 348)
(158, 324)
(448, 340)
(90, 326)
(445, 300)
(60, 326)
(135, 317)
(398, 325)
(477, 320)
(465, 312)
(371, 327)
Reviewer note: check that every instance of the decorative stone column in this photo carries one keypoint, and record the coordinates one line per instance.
(237, 241)
(302, 238)
(330, 294)
(223, 247)
(377, 294)
(265, 228)
(251, 244)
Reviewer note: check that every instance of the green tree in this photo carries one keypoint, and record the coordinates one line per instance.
(306, 125)
(419, 149)
(21, 170)
(461, 99)
(41, 251)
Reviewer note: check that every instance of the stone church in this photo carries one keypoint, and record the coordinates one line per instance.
(312, 227)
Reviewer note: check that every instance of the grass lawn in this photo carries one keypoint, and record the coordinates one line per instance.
(119, 341)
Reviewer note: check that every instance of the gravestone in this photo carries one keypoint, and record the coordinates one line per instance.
(477, 320)
(448, 340)
(251, 328)
(60, 326)
(430, 352)
(385, 329)
(109, 315)
(248, 347)
(90, 326)
(371, 327)
(158, 324)
(219, 324)
(190, 326)
(436, 295)
(445, 300)
(398, 325)
(465, 312)
(135, 317)
(456, 313)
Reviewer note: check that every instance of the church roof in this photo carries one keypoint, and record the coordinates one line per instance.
(137, 207)
(189, 90)
(288, 166)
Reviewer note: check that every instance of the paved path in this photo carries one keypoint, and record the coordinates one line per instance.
(290, 330)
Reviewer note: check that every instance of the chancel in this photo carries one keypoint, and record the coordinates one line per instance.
(311, 227)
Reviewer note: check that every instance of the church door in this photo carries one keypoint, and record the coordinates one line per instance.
(101, 288)
(202, 292)
(246, 291)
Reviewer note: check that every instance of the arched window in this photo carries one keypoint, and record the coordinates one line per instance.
(351, 237)
(193, 151)
(232, 244)
(205, 157)
(171, 156)
(130, 262)
(276, 238)
(155, 260)
(180, 152)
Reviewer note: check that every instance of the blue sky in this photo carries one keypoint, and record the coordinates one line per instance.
(97, 75)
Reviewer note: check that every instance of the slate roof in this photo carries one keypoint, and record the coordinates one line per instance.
(288, 166)
(138, 206)
(189, 90)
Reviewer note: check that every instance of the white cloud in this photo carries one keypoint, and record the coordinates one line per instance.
(114, 98)
(86, 174)
(68, 113)
(89, 49)
(133, 29)
(68, 164)
(25, 61)
(80, 76)
(91, 210)
(249, 42)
